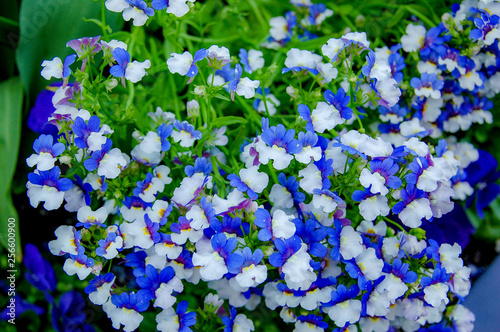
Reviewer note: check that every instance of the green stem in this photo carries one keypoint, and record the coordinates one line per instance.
(395, 224)
(421, 16)
(103, 20)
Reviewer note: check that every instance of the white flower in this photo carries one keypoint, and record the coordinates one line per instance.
(130, 319)
(66, 241)
(246, 87)
(279, 28)
(282, 225)
(52, 68)
(136, 70)
(348, 311)
(109, 165)
(332, 48)
(414, 38)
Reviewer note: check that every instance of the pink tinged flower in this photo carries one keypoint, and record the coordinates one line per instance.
(48, 187)
(68, 240)
(79, 264)
(46, 153)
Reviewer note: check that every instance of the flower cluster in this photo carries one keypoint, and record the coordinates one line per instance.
(316, 212)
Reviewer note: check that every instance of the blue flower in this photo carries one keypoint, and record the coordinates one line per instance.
(312, 234)
(98, 281)
(83, 130)
(69, 315)
(280, 137)
(186, 319)
(137, 260)
(313, 320)
(400, 270)
(482, 175)
(198, 56)
(201, 165)
(43, 109)
(39, 272)
(343, 294)
(131, 301)
(287, 248)
(263, 220)
(340, 102)
(152, 280)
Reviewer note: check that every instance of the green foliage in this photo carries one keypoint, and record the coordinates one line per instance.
(46, 26)
(11, 101)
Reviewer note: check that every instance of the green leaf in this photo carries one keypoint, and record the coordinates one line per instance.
(228, 120)
(46, 27)
(11, 101)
